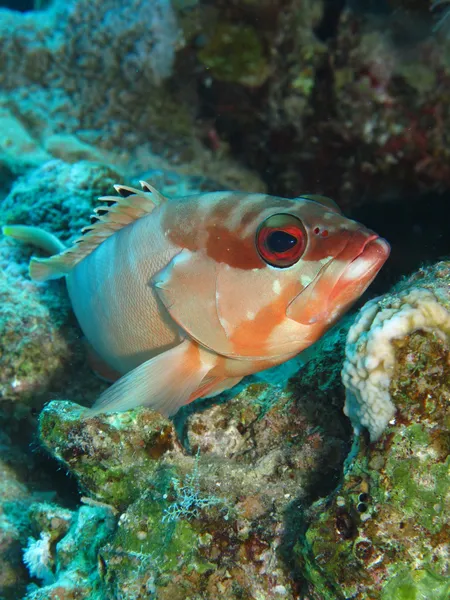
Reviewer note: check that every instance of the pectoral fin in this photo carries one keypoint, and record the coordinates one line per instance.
(163, 383)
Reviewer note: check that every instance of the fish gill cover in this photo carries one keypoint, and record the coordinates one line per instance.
(267, 490)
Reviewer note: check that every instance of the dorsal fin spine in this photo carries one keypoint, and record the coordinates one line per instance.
(124, 211)
(158, 197)
(130, 191)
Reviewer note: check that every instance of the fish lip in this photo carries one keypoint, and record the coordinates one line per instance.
(375, 245)
(366, 264)
(371, 238)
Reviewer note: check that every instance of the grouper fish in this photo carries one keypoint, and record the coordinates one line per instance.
(181, 298)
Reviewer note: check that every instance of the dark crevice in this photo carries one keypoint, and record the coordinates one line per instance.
(329, 23)
(417, 229)
(18, 5)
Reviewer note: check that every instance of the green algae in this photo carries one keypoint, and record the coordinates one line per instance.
(147, 548)
(143, 532)
(235, 54)
(417, 585)
(417, 484)
(344, 550)
(113, 458)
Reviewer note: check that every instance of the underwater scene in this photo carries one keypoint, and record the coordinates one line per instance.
(224, 300)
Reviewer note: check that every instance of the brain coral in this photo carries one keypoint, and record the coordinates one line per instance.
(421, 302)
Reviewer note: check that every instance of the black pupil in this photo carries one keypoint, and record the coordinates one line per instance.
(280, 241)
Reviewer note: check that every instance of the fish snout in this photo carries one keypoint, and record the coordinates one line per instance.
(360, 271)
(342, 281)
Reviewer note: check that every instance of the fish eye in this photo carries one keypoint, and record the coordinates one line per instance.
(281, 240)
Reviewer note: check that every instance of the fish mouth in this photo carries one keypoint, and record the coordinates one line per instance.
(361, 271)
(341, 282)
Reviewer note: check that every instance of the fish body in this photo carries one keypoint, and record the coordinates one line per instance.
(114, 301)
(181, 298)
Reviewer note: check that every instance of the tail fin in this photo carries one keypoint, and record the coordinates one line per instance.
(41, 269)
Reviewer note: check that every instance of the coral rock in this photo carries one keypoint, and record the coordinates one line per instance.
(113, 456)
(421, 302)
(384, 533)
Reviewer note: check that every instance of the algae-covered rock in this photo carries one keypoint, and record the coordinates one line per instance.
(270, 444)
(220, 521)
(384, 533)
(113, 456)
(186, 536)
(149, 551)
(36, 342)
(235, 53)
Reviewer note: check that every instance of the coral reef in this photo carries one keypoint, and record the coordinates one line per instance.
(233, 510)
(51, 61)
(384, 532)
(421, 302)
(86, 81)
(291, 88)
(211, 520)
(114, 458)
(257, 493)
(340, 79)
(41, 351)
(241, 497)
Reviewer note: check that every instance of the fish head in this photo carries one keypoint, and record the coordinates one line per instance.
(267, 275)
(341, 259)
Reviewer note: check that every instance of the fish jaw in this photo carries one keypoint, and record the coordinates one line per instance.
(360, 272)
(341, 282)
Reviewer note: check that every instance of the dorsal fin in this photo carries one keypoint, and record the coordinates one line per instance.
(118, 212)
(324, 200)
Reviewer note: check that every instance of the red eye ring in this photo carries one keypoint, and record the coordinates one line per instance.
(281, 240)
